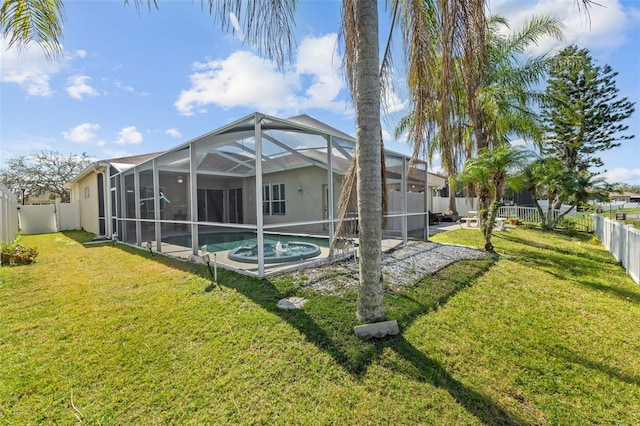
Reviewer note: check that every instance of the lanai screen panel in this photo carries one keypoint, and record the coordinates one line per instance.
(173, 194)
(295, 181)
(148, 201)
(417, 198)
(129, 207)
(224, 164)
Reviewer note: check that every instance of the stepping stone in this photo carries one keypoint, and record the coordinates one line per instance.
(291, 303)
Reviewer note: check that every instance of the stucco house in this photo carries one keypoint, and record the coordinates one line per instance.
(624, 197)
(213, 188)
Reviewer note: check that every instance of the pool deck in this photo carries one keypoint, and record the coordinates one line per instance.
(222, 260)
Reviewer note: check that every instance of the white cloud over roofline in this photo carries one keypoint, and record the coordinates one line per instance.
(129, 135)
(82, 132)
(245, 80)
(174, 132)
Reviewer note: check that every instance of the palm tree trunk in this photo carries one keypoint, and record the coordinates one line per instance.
(453, 209)
(370, 301)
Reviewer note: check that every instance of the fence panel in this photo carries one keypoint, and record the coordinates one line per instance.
(633, 253)
(622, 241)
(38, 219)
(8, 215)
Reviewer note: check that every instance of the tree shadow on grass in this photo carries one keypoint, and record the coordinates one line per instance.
(550, 247)
(80, 236)
(430, 371)
(328, 321)
(570, 266)
(614, 372)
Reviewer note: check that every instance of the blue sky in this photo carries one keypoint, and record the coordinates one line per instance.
(132, 82)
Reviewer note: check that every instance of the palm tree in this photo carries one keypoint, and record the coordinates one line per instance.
(490, 171)
(507, 95)
(500, 101)
(547, 178)
(360, 33)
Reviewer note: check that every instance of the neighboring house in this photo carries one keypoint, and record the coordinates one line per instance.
(624, 197)
(213, 184)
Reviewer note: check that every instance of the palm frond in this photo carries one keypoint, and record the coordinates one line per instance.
(33, 21)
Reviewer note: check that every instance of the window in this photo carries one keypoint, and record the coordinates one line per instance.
(87, 192)
(273, 202)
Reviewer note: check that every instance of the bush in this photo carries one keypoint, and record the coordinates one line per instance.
(595, 241)
(17, 254)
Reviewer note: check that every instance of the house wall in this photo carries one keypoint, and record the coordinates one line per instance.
(85, 194)
(303, 196)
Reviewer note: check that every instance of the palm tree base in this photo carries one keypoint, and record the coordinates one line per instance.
(377, 329)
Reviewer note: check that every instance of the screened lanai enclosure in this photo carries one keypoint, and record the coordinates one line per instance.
(260, 193)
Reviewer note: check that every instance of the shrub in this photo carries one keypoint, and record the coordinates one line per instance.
(17, 254)
(595, 241)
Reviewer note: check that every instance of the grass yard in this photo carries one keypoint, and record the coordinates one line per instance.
(546, 333)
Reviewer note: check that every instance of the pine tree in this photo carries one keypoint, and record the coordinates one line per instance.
(582, 112)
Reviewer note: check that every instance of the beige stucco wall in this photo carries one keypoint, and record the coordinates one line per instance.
(88, 202)
(303, 195)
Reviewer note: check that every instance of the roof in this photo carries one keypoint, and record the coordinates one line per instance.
(624, 194)
(134, 159)
(122, 163)
(287, 144)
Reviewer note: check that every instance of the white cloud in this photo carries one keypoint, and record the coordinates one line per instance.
(246, 80)
(317, 59)
(81, 133)
(173, 132)
(622, 175)
(392, 102)
(120, 85)
(81, 53)
(602, 29)
(28, 68)
(77, 87)
(242, 79)
(129, 135)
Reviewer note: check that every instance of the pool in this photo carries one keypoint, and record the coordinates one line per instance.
(275, 253)
(223, 241)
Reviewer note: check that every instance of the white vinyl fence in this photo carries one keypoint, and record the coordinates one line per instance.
(8, 215)
(49, 218)
(622, 241)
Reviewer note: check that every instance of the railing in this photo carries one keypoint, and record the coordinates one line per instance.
(525, 214)
(8, 215)
(580, 222)
(622, 241)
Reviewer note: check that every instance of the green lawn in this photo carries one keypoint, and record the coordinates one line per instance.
(547, 333)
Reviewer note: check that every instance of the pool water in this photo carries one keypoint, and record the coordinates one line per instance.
(275, 253)
(223, 241)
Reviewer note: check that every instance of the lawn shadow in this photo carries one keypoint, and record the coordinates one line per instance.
(482, 407)
(542, 246)
(566, 265)
(561, 263)
(622, 294)
(328, 321)
(573, 357)
(81, 236)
